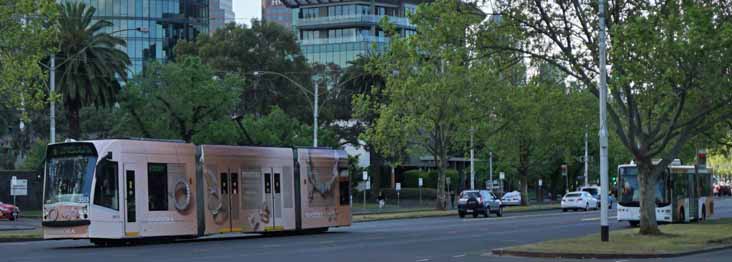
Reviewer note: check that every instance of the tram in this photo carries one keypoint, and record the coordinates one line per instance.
(109, 190)
(683, 194)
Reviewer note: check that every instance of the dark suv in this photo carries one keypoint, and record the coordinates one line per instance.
(479, 202)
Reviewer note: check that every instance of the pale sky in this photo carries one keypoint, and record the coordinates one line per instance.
(245, 10)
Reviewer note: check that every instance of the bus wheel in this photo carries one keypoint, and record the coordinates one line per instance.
(633, 223)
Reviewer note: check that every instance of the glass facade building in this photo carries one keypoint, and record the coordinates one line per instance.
(338, 31)
(167, 22)
(275, 11)
(220, 13)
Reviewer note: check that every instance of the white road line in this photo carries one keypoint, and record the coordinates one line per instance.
(423, 260)
(458, 256)
(597, 218)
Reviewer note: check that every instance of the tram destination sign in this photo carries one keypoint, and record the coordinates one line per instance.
(71, 149)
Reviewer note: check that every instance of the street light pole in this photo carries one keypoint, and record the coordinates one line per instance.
(315, 114)
(52, 82)
(604, 230)
(587, 179)
(472, 162)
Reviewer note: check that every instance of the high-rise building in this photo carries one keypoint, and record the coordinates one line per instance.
(275, 11)
(166, 22)
(338, 31)
(221, 12)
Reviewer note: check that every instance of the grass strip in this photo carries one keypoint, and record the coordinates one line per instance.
(676, 238)
(20, 235)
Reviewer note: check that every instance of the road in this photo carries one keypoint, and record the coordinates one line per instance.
(412, 240)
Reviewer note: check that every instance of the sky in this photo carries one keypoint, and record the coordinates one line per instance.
(245, 10)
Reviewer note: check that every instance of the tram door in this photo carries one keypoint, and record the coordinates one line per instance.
(693, 208)
(230, 200)
(131, 198)
(273, 198)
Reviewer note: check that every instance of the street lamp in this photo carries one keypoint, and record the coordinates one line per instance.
(604, 229)
(52, 76)
(307, 92)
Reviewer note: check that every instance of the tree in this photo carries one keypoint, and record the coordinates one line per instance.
(26, 40)
(427, 90)
(670, 70)
(178, 100)
(92, 66)
(265, 46)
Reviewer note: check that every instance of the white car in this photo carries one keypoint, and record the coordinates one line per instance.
(579, 200)
(511, 199)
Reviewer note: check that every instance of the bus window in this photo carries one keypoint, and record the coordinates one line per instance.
(106, 188)
(157, 184)
(629, 190)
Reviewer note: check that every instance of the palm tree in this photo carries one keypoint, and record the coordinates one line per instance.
(91, 64)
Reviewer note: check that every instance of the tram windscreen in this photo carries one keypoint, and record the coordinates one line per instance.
(69, 170)
(629, 187)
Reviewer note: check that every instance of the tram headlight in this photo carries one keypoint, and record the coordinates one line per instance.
(45, 213)
(83, 212)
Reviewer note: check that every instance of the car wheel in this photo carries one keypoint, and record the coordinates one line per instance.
(564, 210)
(633, 223)
(13, 216)
(475, 213)
(500, 212)
(487, 212)
(461, 214)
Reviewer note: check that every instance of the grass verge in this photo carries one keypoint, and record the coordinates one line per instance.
(438, 213)
(6, 236)
(676, 239)
(31, 214)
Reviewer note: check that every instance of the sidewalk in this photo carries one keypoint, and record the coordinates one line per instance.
(20, 224)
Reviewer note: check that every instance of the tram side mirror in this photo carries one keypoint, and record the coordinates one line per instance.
(108, 156)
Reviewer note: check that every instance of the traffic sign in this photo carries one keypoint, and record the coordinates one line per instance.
(398, 187)
(365, 176)
(541, 182)
(502, 175)
(18, 187)
(420, 182)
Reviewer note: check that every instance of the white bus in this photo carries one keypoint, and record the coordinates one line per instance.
(123, 190)
(683, 194)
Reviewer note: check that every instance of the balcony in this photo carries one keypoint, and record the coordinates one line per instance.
(351, 19)
(352, 39)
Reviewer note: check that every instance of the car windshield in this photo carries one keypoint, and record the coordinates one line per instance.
(573, 195)
(68, 179)
(592, 191)
(469, 194)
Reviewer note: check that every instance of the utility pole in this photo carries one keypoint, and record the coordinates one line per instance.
(490, 169)
(315, 113)
(587, 179)
(52, 82)
(604, 230)
(472, 162)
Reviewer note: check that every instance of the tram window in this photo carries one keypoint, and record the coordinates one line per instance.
(157, 184)
(106, 189)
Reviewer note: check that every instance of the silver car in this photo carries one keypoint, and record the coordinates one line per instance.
(479, 202)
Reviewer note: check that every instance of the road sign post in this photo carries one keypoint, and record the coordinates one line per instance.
(367, 186)
(420, 191)
(502, 176)
(604, 228)
(566, 180)
(398, 189)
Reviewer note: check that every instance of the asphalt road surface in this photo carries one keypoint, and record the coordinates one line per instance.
(411, 240)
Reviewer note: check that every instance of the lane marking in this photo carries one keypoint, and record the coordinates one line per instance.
(423, 260)
(597, 218)
(458, 256)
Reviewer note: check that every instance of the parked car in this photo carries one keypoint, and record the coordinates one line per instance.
(479, 202)
(595, 192)
(578, 200)
(9, 212)
(511, 199)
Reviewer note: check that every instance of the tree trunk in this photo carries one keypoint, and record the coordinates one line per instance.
(524, 189)
(441, 203)
(377, 165)
(72, 115)
(647, 183)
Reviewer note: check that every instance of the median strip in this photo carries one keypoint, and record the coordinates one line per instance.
(442, 213)
(677, 240)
